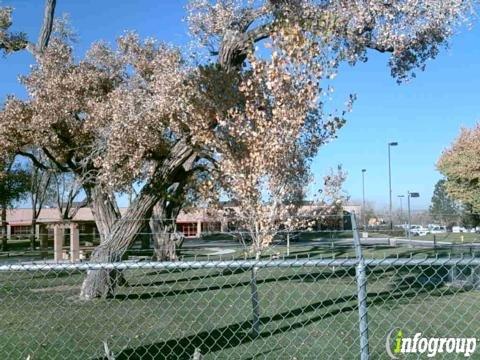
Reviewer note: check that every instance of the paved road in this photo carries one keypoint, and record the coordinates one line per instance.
(414, 243)
(232, 244)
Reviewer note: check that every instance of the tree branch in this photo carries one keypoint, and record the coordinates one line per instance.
(249, 16)
(47, 25)
(34, 160)
(13, 42)
(380, 48)
(60, 166)
(16, 42)
(259, 33)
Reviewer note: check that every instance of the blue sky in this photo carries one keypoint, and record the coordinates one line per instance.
(424, 116)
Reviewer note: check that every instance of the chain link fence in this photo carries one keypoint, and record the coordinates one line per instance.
(311, 295)
(289, 309)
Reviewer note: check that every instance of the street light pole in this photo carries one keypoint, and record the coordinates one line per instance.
(409, 218)
(401, 206)
(390, 144)
(402, 220)
(410, 195)
(363, 203)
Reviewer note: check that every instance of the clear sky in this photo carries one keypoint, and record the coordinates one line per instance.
(423, 116)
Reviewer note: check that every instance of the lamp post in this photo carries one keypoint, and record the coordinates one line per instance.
(410, 195)
(363, 202)
(401, 213)
(390, 144)
(401, 206)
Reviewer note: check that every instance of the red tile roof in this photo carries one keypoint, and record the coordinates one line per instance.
(18, 217)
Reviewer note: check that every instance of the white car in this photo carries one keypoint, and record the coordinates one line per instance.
(438, 230)
(418, 230)
(458, 229)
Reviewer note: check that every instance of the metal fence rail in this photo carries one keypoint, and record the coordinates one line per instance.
(306, 308)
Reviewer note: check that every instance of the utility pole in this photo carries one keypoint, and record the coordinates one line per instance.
(410, 195)
(402, 221)
(363, 203)
(401, 206)
(390, 144)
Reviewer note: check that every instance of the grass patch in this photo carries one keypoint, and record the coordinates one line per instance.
(305, 313)
(456, 238)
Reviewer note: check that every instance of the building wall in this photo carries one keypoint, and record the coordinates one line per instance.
(189, 229)
(191, 224)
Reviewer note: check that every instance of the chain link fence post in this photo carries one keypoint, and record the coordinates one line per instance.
(361, 278)
(255, 303)
(288, 243)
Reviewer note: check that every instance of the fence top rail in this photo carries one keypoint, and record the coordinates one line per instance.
(235, 264)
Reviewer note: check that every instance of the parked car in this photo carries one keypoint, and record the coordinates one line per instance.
(459, 229)
(438, 230)
(418, 230)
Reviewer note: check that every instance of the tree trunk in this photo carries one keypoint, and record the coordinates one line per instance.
(166, 244)
(234, 49)
(4, 228)
(119, 235)
(33, 232)
(102, 283)
(145, 238)
(105, 210)
(162, 223)
(162, 226)
(43, 242)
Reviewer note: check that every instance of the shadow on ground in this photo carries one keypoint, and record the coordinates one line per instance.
(301, 277)
(236, 334)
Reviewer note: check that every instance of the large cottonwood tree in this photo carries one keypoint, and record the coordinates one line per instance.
(281, 53)
(139, 113)
(110, 126)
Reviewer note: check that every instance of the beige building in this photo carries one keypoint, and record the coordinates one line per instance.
(72, 238)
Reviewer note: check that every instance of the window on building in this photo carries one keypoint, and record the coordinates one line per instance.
(213, 226)
(21, 230)
(188, 229)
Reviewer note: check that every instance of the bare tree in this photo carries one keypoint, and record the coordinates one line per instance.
(40, 193)
(66, 192)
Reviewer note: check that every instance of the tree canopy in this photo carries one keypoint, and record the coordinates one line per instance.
(444, 208)
(459, 165)
(411, 31)
(14, 183)
(250, 116)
